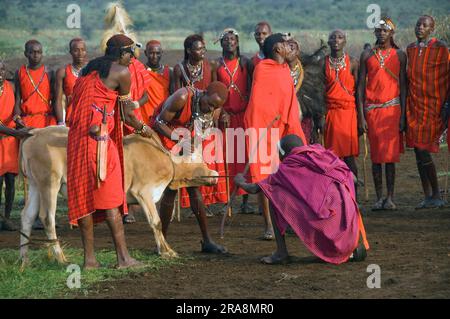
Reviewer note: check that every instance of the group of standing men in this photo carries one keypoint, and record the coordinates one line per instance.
(397, 96)
(236, 92)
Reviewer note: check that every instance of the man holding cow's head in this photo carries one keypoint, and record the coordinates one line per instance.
(180, 110)
(95, 179)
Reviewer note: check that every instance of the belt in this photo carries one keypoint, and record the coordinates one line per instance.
(98, 109)
(36, 114)
(235, 113)
(393, 102)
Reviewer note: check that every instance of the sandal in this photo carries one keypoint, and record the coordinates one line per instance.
(212, 248)
(268, 235)
(359, 254)
(389, 206)
(271, 260)
(379, 205)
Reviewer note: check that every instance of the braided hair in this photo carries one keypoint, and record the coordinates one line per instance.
(189, 41)
(116, 46)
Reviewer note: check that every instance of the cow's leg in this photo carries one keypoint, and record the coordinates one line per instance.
(28, 216)
(47, 213)
(166, 209)
(154, 221)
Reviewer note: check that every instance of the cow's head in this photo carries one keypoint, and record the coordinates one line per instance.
(191, 171)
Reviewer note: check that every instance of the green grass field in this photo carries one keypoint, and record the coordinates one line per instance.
(46, 279)
(56, 41)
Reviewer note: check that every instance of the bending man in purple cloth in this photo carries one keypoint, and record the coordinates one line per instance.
(313, 193)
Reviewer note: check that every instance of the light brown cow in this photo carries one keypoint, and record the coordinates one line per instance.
(149, 169)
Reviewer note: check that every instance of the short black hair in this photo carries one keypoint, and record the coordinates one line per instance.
(270, 42)
(74, 40)
(289, 142)
(264, 23)
(31, 42)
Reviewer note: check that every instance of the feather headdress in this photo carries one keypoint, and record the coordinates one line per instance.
(117, 21)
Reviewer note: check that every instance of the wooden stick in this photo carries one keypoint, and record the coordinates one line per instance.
(247, 167)
(366, 178)
(179, 205)
(227, 179)
(446, 176)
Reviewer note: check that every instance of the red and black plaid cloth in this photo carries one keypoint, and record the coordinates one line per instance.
(81, 183)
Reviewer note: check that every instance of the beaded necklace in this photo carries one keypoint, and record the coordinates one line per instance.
(195, 71)
(337, 63)
(381, 57)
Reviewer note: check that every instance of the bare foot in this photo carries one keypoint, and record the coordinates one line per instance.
(91, 265)
(130, 263)
(275, 259)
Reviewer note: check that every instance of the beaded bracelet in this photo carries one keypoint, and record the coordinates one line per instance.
(142, 129)
(124, 97)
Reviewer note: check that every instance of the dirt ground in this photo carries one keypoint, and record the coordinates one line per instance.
(410, 247)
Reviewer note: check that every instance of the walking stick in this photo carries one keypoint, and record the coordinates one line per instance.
(179, 205)
(366, 154)
(227, 179)
(247, 167)
(446, 176)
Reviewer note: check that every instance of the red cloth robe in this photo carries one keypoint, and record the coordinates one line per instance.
(235, 105)
(256, 59)
(36, 104)
(68, 84)
(341, 126)
(428, 74)
(383, 123)
(140, 80)
(157, 91)
(84, 195)
(9, 146)
(272, 94)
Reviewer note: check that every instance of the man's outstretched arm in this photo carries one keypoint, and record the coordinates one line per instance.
(240, 181)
